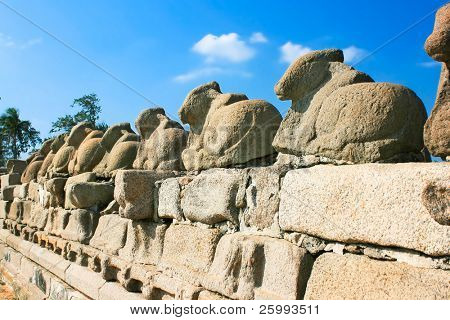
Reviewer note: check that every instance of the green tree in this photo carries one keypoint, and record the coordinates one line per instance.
(17, 136)
(90, 112)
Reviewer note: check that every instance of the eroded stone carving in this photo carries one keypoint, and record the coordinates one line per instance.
(119, 146)
(340, 113)
(162, 141)
(62, 159)
(56, 144)
(226, 129)
(436, 131)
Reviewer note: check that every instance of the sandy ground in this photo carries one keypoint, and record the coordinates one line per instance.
(6, 292)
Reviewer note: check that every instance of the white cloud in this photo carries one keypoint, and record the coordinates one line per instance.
(430, 64)
(291, 51)
(8, 42)
(208, 72)
(258, 37)
(31, 43)
(225, 47)
(353, 54)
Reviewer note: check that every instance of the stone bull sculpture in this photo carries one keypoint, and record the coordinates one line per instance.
(437, 127)
(340, 113)
(226, 129)
(162, 141)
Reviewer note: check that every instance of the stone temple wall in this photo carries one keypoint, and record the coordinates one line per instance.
(364, 231)
(338, 200)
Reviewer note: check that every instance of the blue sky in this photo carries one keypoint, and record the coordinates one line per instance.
(163, 49)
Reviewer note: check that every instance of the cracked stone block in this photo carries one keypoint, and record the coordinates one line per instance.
(357, 277)
(169, 206)
(258, 267)
(136, 193)
(188, 251)
(81, 226)
(213, 196)
(263, 198)
(144, 242)
(110, 234)
(368, 203)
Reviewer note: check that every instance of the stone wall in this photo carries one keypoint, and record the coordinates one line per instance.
(365, 231)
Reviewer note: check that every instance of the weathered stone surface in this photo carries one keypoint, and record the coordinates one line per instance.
(57, 220)
(84, 280)
(110, 234)
(212, 196)
(119, 145)
(372, 203)
(21, 191)
(16, 166)
(16, 210)
(436, 131)
(249, 267)
(4, 208)
(7, 193)
(10, 179)
(38, 217)
(85, 195)
(226, 129)
(358, 277)
(122, 155)
(169, 205)
(262, 198)
(339, 113)
(162, 141)
(114, 291)
(66, 152)
(436, 198)
(33, 191)
(188, 251)
(54, 192)
(112, 208)
(83, 177)
(81, 226)
(31, 173)
(135, 191)
(45, 166)
(89, 153)
(144, 242)
(209, 295)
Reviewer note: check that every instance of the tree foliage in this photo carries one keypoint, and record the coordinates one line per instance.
(16, 135)
(90, 112)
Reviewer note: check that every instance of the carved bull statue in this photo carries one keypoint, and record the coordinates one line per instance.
(162, 141)
(339, 113)
(226, 129)
(437, 132)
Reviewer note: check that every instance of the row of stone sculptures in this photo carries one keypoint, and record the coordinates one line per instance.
(337, 114)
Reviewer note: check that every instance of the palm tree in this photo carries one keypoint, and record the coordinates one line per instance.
(18, 135)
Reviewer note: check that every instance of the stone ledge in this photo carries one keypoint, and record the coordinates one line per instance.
(59, 278)
(381, 204)
(358, 277)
